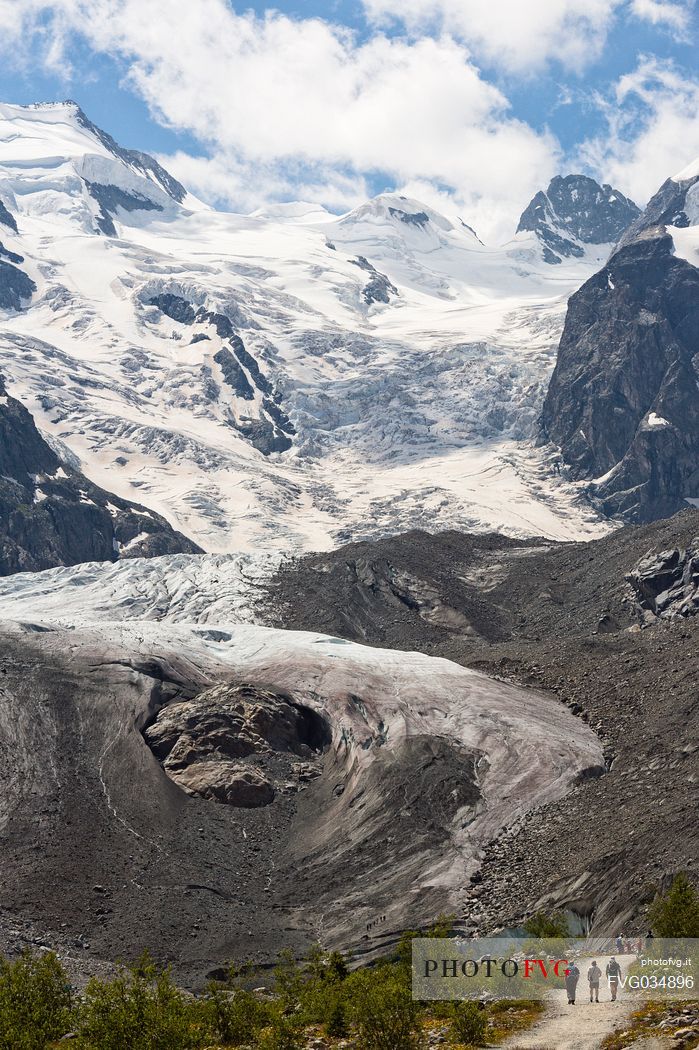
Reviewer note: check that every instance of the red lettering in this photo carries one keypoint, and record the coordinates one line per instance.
(558, 963)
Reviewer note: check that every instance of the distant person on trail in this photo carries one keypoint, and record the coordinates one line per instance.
(613, 975)
(619, 944)
(593, 976)
(572, 978)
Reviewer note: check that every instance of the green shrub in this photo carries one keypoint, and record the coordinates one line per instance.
(236, 1018)
(284, 1033)
(676, 913)
(469, 1023)
(336, 1019)
(35, 1002)
(140, 1009)
(382, 1008)
(547, 924)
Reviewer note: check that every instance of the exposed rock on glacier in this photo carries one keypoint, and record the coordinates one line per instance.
(237, 744)
(7, 218)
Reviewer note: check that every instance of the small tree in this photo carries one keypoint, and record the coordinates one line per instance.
(469, 1023)
(236, 1018)
(676, 912)
(336, 1023)
(547, 924)
(382, 1007)
(35, 1002)
(284, 1033)
(140, 1009)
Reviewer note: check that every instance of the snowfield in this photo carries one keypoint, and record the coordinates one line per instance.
(391, 371)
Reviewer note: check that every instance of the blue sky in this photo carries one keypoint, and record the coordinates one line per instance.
(470, 105)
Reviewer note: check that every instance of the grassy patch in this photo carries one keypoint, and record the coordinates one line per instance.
(512, 1015)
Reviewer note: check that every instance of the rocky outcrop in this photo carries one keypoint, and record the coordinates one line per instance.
(239, 744)
(667, 584)
(7, 218)
(110, 198)
(51, 514)
(265, 425)
(575, 211)
(16, 287)
(623, 402)
(378, 288)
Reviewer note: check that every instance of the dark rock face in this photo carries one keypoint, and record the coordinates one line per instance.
(576, 210)
(7, 218)
(174, 307)
(52, 515)
(272, 430)
(667, 584)
(110, 198)
(264, 435)
(16, 288)
(417, 218)
(12, 257)
(666, 208)
(234, 374)
(379, 289)
(623, 402)
(239, 745)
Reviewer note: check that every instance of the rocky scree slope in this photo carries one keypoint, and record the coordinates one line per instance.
(569, 618)
(623, 402)
(50, 514)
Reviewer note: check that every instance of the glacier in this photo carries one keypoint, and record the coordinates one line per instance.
(388, 371)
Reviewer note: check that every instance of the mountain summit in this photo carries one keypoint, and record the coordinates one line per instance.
(623, 404)
(576, 211)
(63, 164)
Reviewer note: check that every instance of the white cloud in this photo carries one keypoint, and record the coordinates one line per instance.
(228, 181)
(517, 35)
(274, 99)
(673, 16)
(652, 129)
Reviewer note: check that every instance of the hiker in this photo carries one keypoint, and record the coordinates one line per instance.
(619, 944)
(572, 977)
(593, 976)
(613, 975)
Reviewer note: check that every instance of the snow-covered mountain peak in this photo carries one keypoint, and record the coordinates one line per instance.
(576, 211)
(284, 379)
(55, 162)
(690, 171)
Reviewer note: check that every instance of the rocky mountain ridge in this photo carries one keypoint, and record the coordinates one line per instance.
(623, 402)
(575, 211)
